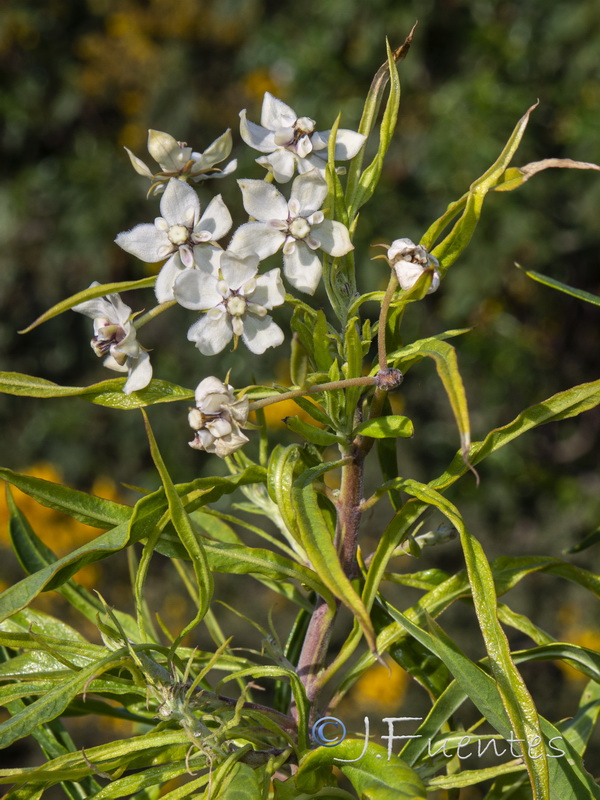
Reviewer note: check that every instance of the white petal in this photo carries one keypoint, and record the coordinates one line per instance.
(262, 200)
(196, 290)
(138, 165)
(304, 146)
(146, 242)
(347, 143)
(97, 307)
(140, 373)
(211, 334)
(408, 273)
(165, 149)
(257, 237)
(207, 258)
(261, 333)
(165, 280)
(269, 290)
(333, 237)
(216, 219)
(310, 191)
(179, 204)
(237, 269)
(302, 267)
(313, 160)
(281, 163)
(276, 114)
(111, 363)
(255, 136)
(215, 152)
(212, 386)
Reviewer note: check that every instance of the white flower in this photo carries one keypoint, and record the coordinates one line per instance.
(292, 141)
(217, 418)
(296, 225)
(180, 235)
(177, 160)
(114, 334)
(410, 261)
(236, 302)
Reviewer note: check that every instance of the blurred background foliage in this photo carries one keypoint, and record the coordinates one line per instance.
(79, 80)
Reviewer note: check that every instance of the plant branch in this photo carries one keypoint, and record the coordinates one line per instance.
(367, 380)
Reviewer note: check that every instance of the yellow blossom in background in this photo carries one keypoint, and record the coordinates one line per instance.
(380, 688)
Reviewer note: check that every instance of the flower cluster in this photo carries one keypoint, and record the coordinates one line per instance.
(410, 261)
(115, 337)
(217, 418)
(223, 282)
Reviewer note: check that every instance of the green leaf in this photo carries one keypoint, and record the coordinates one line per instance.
(588, 541)
(471, 204)
(312, 434)
(34, 555)
(245, 783)
(375, 775)
(107, 393)
(87, 508)
(322, 345)
(185, 531)
(317, 540)
(90, 294)
(392, 426)
(360, 194)
(580, 294)
(146, 514)
(54, 702)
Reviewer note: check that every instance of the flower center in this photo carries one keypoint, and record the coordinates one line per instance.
(178, 234)
(236, 306)
(299, 228)
(108, 335)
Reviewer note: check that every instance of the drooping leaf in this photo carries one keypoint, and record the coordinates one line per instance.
(106, 393)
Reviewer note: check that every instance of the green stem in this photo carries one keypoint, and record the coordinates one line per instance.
(367, 380)
(383, 313)
(154, 312)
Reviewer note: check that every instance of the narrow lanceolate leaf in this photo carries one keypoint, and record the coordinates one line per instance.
(86, 508)
(371, 109)
(106, 393)
(374, 773)
(446, 365)
(145, 516)
(185, 531)
(471, 204)
(580, 294)
(317, 539)
(370, 177)
(90, 294)
(311, 433)
(392, 426)
(517, 176)
(54, 702)
(516, 699)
